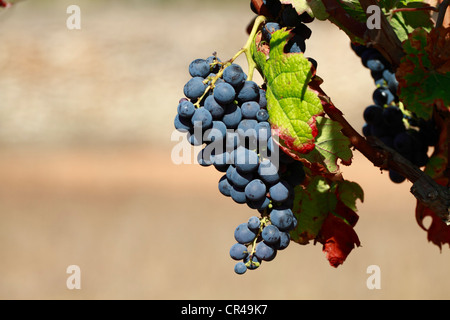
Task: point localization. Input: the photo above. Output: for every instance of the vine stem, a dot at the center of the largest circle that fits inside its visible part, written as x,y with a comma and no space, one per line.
424,188
430,8
442,11
248,53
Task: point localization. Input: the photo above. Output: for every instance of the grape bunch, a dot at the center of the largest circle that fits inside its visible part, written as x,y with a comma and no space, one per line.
227,115
407,134
286,16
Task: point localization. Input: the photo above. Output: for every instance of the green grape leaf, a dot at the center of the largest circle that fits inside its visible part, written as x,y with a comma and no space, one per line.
436,165
348,193
292,105
311,207
423,81
299,5
325,213
331,145
405,22
312,7
354,9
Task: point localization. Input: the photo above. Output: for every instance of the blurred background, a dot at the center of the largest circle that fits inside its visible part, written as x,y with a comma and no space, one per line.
86,118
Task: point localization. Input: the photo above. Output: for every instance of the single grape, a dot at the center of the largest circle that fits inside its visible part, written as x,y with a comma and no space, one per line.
373,114
247,133
262,98
246,125
243,234
268,29
367,130
182,124
246,160
240,179
217,132
232,141
271,234
238,251
250,109
225,186
199,68
259,204
369,54
202,118
238,194
204,158
254,223
280,191
217,111
382,96
396,177
283,243
388,75
262,115
263,131
194,88
221,161
232,116
248,92
234,75
375,65
295,45
268,172
392,116
282,218
265,252
186,109
224,93
240,268
255,190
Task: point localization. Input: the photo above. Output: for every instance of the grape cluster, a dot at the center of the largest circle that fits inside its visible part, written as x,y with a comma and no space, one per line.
226,114
259,239
286,16
406,134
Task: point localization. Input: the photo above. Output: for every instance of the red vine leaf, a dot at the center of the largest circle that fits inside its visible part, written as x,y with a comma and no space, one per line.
438,231
338,239
438,49
424,78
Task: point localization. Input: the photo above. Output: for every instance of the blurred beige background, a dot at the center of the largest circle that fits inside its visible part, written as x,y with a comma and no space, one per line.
86,176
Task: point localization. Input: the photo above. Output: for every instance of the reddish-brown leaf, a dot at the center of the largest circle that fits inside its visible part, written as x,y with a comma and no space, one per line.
438,231
338,239
438,49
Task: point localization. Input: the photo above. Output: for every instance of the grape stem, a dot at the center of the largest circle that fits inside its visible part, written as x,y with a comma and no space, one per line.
263,222
247,49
